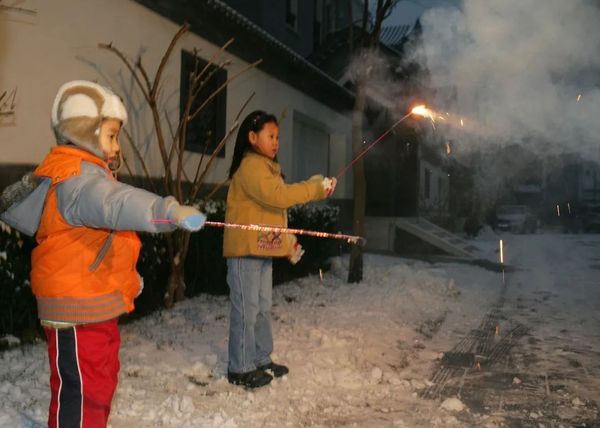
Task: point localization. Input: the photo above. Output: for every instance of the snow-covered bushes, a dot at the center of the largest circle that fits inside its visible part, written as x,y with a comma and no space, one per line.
18,311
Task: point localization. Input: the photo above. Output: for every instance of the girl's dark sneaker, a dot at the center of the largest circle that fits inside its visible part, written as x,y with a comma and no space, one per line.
278,370
254,379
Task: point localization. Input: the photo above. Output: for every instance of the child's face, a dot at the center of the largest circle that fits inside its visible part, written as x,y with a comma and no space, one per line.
266,141
109,139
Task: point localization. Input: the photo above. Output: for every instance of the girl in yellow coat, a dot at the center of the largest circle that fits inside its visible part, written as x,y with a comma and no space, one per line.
258,195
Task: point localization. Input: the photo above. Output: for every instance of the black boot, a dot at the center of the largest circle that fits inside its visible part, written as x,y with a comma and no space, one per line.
254,379
278,370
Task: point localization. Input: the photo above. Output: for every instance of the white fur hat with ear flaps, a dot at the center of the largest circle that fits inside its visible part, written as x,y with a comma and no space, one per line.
78,111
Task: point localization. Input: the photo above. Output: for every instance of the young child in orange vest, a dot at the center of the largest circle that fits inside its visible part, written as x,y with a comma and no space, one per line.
258,195
84,268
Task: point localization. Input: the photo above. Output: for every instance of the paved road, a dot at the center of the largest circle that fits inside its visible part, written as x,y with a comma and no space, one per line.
534,357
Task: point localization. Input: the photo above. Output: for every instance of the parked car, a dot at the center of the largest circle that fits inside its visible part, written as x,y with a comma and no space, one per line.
516,218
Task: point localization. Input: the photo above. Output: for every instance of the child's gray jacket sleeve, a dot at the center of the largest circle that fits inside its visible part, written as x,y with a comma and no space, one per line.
22,203
93,199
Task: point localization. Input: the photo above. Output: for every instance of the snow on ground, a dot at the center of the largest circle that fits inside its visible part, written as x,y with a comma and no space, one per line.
359,354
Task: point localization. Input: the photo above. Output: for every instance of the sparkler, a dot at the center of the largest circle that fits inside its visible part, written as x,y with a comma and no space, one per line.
558,210
578,97
369,147
419,110
256,227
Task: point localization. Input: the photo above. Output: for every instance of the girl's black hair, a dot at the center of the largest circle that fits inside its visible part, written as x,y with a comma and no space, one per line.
253,122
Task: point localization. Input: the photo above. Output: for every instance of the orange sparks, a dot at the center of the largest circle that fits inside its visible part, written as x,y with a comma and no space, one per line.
421,110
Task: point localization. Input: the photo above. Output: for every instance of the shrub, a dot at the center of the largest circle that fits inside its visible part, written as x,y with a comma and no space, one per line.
18,310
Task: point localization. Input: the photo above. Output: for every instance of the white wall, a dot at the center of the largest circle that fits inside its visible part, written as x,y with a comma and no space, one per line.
59,43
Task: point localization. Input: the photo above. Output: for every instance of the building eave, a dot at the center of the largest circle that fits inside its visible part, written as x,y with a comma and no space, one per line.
217,22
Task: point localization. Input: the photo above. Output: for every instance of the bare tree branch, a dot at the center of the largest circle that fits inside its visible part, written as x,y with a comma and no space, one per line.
140,158
174,145
223,86
218,148
132,69
200,180
213,59
214,191
18,9
127,165
139,65
182,30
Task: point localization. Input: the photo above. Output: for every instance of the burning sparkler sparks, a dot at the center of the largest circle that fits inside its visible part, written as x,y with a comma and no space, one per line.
578,97
501,252
558,210
421,110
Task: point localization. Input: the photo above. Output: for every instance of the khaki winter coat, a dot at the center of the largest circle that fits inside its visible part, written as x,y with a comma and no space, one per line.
258,195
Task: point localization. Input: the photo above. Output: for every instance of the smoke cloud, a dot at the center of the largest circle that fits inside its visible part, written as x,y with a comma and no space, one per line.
518,71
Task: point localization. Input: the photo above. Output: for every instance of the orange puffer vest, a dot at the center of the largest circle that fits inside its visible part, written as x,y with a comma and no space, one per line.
73,277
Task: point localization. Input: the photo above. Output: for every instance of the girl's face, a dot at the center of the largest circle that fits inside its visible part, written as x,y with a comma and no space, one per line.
266,141
109,139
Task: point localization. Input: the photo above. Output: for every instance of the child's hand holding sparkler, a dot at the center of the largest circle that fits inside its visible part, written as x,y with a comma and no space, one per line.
186,217
329,185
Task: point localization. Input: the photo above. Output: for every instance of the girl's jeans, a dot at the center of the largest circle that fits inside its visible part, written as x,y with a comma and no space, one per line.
250,282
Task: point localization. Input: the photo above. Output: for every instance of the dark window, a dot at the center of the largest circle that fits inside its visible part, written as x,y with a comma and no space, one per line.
208,128
427,184
318,16
291,13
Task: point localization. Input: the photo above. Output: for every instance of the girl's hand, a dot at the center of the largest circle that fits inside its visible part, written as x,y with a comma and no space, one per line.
329,185
297,251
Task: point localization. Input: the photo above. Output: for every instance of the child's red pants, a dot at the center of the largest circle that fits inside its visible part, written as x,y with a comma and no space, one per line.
84,368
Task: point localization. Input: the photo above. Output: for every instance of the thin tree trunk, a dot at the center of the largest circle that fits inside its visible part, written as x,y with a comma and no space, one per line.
178,243
175,285
355,272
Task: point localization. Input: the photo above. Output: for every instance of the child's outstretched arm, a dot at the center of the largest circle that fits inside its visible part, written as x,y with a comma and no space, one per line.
270,190
92,199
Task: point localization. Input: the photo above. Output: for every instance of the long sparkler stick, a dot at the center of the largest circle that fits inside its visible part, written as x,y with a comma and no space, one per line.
370,146
256,227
